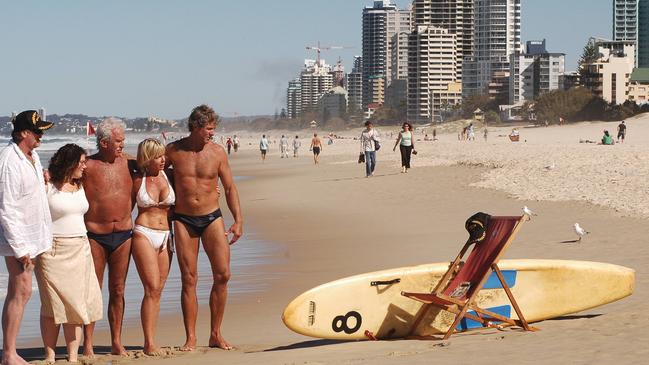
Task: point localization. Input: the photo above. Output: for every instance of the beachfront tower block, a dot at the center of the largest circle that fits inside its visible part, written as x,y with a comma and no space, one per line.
534,71
610,74
380,23
456,16
432,68
497,35
355,86
631,23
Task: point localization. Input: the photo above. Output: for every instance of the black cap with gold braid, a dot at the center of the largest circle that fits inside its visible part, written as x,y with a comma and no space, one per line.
30,120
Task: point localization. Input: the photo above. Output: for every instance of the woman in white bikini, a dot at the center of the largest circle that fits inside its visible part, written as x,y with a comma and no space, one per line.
151,242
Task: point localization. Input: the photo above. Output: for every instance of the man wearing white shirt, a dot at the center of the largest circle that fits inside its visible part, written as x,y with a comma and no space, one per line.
25,221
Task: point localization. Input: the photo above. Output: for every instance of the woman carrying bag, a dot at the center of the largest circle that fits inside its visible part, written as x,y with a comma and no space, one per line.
406,146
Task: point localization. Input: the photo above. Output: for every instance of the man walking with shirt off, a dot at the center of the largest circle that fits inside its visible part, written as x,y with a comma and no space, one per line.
25,222
198,165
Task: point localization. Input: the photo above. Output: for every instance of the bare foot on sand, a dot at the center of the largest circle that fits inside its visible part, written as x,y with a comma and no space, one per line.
154,351
190,345
13,359
219,342
118,349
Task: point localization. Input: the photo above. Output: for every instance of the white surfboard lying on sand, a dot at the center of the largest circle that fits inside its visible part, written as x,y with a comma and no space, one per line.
346,308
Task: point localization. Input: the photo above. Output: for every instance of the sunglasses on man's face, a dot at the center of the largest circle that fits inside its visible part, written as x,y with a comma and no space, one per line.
38,132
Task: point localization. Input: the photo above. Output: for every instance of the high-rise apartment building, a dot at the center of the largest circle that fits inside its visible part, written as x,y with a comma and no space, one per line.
303,93
355,85
432,68
497,35
534,72
631,23
380,23
643,34
294,99
610,74
399,54
456,16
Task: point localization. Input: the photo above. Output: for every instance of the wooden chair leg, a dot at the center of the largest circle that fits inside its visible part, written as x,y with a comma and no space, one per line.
521,318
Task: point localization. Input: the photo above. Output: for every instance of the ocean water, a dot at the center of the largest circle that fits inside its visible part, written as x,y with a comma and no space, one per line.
248,262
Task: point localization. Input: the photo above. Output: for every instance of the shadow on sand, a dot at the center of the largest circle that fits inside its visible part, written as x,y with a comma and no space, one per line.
37,353
307,344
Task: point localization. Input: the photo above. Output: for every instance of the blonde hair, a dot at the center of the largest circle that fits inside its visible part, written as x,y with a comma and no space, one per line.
148,150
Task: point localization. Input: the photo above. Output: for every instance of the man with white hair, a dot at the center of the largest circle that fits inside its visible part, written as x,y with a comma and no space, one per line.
108,184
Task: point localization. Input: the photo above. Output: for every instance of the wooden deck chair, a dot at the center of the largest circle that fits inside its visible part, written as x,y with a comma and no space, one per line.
456,292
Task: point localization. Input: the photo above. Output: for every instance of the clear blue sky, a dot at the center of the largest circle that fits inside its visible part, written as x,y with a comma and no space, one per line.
138,58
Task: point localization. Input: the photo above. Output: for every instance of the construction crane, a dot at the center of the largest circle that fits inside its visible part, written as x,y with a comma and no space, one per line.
319,49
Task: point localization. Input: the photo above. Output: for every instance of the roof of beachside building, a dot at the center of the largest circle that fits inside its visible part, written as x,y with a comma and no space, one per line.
640,75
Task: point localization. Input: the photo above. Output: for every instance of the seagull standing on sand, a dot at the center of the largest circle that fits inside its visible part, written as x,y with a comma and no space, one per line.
550,167
580,231
528,211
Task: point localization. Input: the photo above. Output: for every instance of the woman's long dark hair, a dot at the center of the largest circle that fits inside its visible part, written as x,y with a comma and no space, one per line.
63,163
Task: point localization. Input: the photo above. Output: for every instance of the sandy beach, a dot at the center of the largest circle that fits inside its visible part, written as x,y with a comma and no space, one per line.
327,222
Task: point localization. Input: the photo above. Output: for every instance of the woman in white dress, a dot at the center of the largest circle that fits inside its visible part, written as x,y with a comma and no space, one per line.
68,287
151,235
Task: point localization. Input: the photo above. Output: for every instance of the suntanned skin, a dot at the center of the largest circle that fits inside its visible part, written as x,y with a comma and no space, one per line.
20,270
152,265
108,184
316,142
198,164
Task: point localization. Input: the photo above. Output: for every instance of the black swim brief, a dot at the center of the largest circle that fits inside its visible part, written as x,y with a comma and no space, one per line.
111,241
197,223
316,150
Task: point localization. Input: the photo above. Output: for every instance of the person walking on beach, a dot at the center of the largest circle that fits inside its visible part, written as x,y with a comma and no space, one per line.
470,132
283,146
152,253
485,134
263,147
621,132
316,147
406,146
296,145
235,143
228,143
25,222
108,184
198,165
369,141
71,303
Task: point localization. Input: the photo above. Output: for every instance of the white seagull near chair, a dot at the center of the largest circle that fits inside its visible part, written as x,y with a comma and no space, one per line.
580,231
528,211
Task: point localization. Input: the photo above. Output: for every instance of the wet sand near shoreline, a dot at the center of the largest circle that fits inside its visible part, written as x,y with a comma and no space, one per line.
329,222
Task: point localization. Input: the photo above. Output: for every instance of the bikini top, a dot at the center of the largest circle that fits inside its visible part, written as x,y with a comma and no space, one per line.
144,199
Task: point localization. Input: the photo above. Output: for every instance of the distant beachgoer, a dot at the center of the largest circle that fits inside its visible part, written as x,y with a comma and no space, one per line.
369,138
296,146
263,147
561,121
198,165
152,253
108,184
434,134
470,132
316,147
607,139
621,132
25,222
426,138
283,146
485,134
65,302
406,146
228,143
235,143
